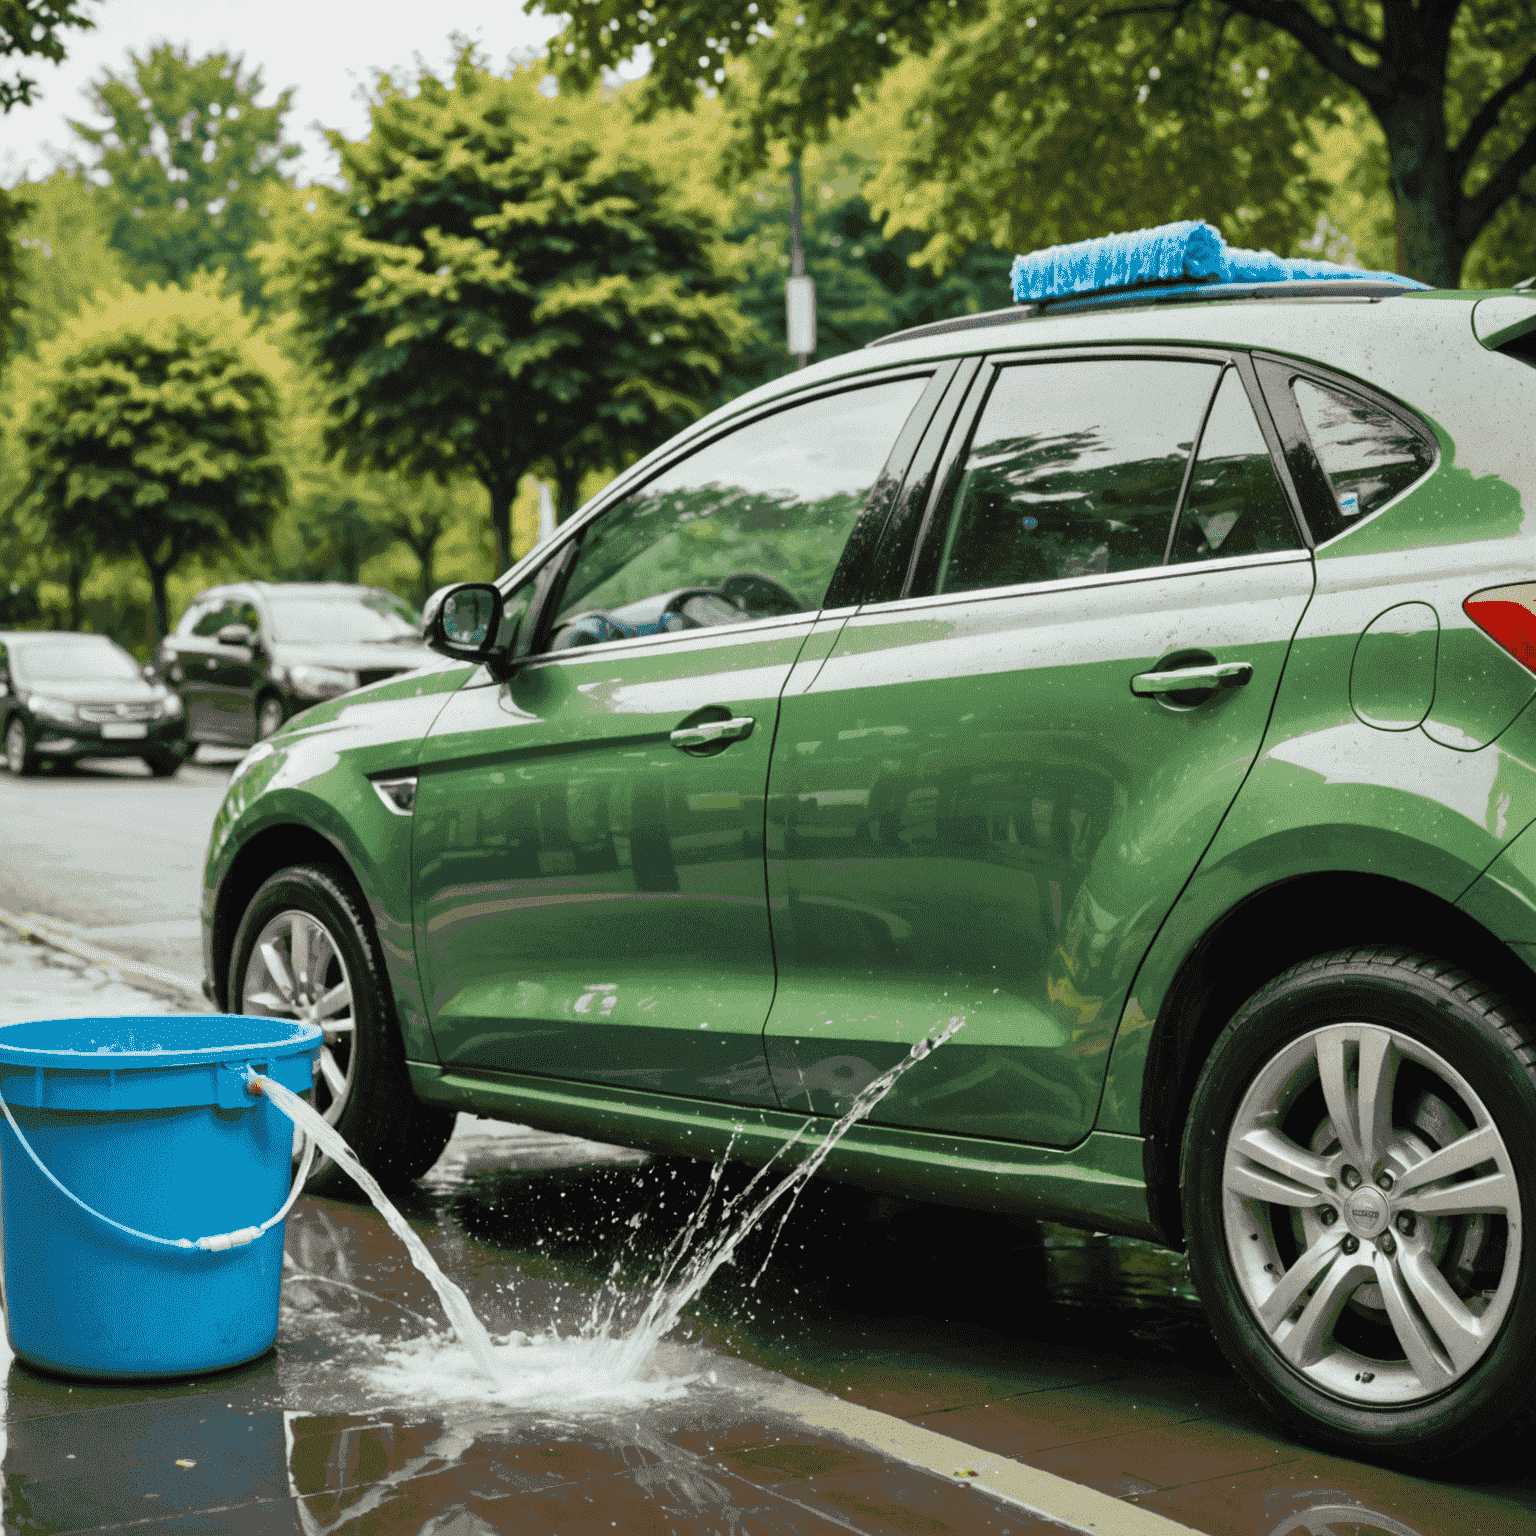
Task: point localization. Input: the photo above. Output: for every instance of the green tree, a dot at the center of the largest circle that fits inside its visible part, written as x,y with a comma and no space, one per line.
149,428
193,164
1053,119
28,29
504,283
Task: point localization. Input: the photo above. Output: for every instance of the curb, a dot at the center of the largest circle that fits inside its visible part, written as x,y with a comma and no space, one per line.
36,928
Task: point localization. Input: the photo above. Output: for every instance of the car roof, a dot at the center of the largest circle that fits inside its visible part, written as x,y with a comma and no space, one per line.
11,636
271,588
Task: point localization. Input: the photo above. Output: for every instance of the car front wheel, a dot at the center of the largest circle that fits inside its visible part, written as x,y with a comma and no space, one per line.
1359,1155
18,748
305,949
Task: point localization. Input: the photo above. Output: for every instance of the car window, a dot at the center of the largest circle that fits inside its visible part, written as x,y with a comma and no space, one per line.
1235,505
314,618
1368,454
1074,469
96,659
750,526
214,618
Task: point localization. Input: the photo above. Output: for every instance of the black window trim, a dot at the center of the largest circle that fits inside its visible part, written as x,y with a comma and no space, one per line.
963,425
1321,517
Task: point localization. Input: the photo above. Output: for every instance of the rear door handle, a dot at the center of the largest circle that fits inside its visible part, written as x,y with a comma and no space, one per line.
709,732
1223,674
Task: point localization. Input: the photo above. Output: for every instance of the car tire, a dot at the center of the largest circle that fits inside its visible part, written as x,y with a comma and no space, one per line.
327,968
1375,1309
164,765
270,715
19,757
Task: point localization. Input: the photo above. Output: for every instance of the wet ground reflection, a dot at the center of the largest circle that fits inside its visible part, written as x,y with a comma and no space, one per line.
1087,1357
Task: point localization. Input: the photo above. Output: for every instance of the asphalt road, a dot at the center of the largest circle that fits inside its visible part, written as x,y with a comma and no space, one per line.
114,853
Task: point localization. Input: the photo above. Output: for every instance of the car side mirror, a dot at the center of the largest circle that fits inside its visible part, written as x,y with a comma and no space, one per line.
464,621
235,634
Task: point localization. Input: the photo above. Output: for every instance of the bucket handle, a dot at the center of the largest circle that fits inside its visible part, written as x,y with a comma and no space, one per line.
215,1244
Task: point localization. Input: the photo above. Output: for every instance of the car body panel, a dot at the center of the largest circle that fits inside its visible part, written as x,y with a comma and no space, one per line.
1099,1181
971,813
315,774
590,899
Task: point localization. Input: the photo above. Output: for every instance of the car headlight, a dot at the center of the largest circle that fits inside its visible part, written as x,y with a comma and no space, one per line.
53,709
312,682
170,705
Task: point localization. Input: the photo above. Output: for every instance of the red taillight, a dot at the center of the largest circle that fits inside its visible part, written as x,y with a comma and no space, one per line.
1508,615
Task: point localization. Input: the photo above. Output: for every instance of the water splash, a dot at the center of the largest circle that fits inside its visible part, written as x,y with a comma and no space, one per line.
598,1366
461,1315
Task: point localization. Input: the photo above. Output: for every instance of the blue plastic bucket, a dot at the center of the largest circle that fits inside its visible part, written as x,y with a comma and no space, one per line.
138,1137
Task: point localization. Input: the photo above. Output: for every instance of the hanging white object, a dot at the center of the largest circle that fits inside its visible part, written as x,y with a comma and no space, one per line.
546,512
800,315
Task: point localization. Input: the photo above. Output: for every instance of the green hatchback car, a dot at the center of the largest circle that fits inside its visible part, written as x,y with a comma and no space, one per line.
1145,679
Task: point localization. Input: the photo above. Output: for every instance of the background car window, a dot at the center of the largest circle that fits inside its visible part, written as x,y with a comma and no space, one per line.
213,618
750,526
313,618
96,659
1366,452
1235,505
1074,469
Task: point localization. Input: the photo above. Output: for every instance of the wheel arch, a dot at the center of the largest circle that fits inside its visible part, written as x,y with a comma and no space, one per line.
1255,941
272,848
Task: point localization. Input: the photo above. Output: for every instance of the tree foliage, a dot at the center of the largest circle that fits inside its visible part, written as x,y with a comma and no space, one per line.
1062,118
504,283
149,428
193,164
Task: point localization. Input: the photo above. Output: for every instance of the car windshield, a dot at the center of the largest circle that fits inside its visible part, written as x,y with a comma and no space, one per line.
320,617
96,660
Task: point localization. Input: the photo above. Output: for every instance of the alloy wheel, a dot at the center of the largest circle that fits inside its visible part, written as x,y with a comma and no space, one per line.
16,748
296,971
1372,1215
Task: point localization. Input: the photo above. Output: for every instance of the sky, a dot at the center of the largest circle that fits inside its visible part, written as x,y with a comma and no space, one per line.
326,49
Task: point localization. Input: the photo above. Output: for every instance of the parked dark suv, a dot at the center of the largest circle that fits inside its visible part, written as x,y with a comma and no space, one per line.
245,657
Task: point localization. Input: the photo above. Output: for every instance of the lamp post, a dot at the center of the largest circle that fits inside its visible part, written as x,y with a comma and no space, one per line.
799,289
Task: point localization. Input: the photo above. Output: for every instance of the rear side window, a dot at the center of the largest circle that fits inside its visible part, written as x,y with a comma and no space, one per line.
1074,469
1368,454
1235,505
749,526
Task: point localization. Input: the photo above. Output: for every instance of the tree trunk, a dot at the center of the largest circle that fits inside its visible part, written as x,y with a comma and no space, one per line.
1429,244
567,491
424,548
502,498
159,608
77,568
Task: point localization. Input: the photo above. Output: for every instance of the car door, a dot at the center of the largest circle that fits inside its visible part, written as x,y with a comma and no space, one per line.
997,784
232,678
194,665
588,839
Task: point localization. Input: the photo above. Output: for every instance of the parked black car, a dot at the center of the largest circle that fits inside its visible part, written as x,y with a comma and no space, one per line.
248,655
65,696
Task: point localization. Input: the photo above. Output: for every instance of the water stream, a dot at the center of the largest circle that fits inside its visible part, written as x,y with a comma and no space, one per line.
601,1359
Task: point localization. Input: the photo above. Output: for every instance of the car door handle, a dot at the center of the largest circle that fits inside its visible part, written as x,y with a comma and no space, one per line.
708,732
1223,674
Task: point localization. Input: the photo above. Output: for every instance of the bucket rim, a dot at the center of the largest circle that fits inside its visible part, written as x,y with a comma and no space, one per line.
283,1037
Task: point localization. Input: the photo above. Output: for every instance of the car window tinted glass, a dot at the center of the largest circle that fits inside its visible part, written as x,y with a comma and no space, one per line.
1074,469
73,661
213,618
1366,452
1235,505
750,526
320,617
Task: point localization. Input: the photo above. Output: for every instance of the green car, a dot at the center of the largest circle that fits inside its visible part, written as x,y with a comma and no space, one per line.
1145,679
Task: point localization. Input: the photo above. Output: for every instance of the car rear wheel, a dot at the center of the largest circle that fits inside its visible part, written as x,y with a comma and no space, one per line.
1359,1154
19,757
306,950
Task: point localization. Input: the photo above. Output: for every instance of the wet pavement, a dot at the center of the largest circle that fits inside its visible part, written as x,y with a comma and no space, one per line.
886,1354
